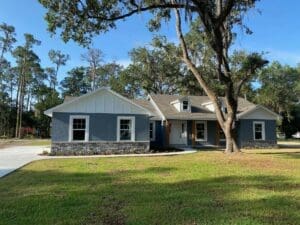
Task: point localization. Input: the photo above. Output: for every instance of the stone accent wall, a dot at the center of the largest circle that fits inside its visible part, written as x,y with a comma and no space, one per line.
259,144
98,148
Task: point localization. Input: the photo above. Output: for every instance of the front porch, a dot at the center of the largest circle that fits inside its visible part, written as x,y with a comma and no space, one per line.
191,133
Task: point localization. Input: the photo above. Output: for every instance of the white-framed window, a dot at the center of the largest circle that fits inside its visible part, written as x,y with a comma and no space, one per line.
152,130
222,136
259,130
201,131
79,128
185,105
126,128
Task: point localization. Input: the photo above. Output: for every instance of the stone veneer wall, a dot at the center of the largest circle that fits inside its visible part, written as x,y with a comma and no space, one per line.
98,148
259,144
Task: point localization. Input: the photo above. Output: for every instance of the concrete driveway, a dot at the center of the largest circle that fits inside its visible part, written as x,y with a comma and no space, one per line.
12,158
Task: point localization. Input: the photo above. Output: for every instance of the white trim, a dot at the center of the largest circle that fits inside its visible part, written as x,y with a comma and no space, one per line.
252,109
153,130
221,139
156,108
205,130
178,100
207,103
263,131
87,127
132,118
51,110
188,106
175,101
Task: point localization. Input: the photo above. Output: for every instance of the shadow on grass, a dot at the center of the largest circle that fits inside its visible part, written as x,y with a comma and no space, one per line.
289,145
144,197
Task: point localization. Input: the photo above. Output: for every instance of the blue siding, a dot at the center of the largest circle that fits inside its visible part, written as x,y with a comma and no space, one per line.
245,131
103,127
211,132
159,135
60,127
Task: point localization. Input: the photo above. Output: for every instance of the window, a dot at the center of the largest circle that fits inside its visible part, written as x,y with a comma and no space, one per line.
259,130
185,105
183,131
201,132
79,126
221,134
126,129
152,131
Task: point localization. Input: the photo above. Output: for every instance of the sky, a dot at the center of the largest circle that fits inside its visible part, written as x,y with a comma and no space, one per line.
275,25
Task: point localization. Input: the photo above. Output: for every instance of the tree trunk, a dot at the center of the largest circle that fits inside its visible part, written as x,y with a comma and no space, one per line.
231,139
226,120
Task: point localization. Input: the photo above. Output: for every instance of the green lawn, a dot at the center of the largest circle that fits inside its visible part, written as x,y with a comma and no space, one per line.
256,187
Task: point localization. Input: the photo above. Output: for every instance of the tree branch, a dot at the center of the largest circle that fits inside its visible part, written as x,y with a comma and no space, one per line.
142,9
194,69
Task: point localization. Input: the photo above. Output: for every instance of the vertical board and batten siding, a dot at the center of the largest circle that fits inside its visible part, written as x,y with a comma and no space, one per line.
102,126
159,135
102,102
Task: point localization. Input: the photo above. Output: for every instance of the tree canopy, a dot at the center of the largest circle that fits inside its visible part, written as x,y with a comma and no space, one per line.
80,20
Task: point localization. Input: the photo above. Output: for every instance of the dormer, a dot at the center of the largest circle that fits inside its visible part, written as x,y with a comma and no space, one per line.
210,106
182,104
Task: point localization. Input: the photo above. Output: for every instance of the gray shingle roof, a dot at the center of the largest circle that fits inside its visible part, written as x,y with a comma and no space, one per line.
199,112
147,105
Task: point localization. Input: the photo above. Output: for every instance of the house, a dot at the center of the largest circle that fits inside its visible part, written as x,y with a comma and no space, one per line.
104,122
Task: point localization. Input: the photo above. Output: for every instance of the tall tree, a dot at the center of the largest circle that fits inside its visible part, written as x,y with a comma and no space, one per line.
59,59
7,39
28,65
80,20
93,57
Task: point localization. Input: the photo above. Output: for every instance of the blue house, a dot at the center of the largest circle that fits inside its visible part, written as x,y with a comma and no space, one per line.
104,122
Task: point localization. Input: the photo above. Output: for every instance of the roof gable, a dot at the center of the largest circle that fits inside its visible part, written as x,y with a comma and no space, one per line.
259,112
102,100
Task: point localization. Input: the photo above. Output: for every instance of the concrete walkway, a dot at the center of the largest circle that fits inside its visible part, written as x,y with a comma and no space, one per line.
13,158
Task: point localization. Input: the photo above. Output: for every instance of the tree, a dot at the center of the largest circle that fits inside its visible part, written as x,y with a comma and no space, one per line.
28,65
75,84
278,92
80,20
156,68
6,40
59,59
45,100
94,57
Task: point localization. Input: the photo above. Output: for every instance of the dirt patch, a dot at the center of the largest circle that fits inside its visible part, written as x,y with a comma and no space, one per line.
266,161
108,212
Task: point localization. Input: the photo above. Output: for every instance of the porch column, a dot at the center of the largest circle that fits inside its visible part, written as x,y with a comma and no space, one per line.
193,133
167,132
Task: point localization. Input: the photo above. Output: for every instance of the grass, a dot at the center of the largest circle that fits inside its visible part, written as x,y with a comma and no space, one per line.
21,142
256,187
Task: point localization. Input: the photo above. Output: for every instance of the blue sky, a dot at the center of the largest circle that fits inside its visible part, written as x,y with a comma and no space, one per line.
275,31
